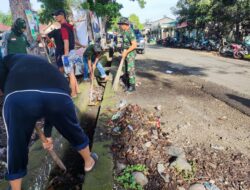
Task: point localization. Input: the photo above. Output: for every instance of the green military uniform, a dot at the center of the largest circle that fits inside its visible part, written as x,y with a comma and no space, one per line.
128,37
17,44
15,41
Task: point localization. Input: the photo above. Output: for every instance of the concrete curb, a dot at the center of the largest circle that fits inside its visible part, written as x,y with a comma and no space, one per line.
102,176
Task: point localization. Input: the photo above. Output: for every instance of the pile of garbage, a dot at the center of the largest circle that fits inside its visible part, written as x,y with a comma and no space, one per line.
138,140
97,94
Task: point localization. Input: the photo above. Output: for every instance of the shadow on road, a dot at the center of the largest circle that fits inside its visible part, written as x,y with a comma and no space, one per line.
166,66
243,101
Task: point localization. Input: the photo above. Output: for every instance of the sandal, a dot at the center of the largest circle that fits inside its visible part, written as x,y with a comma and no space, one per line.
95,157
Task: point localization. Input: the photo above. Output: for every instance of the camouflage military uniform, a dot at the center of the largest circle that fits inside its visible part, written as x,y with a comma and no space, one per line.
128,37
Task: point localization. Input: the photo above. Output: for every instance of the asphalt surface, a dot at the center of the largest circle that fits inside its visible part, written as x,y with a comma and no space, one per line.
230,73
226,79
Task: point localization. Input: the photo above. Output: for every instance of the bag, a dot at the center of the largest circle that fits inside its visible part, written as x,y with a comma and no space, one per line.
73,60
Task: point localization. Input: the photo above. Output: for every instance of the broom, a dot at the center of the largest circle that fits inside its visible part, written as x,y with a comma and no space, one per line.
118,75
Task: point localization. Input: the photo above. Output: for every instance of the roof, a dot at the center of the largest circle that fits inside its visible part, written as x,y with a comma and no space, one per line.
4,28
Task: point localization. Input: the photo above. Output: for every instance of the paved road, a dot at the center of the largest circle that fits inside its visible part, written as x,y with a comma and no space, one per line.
230,73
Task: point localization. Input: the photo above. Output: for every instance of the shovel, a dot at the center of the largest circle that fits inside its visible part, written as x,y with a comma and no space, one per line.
118,75
91,92
52,153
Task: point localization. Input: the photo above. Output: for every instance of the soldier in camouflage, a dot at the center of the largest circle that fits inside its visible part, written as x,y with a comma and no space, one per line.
129,46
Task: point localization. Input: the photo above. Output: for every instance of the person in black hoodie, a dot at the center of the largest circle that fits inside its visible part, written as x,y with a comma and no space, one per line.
34,89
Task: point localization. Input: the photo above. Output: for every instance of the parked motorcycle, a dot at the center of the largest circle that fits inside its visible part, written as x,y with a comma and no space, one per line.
196,45
244,52
232,50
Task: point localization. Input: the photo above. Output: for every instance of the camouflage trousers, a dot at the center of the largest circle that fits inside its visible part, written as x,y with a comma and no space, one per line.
130,68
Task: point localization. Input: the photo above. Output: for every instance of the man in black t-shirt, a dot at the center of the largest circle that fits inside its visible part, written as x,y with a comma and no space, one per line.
34,89
56,35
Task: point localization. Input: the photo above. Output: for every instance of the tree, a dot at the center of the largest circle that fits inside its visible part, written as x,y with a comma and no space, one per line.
142,3
6,18
49,6
223,15
134,19
18,8
107,9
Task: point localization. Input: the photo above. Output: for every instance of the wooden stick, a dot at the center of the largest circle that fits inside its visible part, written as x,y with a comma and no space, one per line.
91,91
118,75
44,46
53,154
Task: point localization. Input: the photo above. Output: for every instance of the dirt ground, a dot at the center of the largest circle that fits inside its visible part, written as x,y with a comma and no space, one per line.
211,132
189,114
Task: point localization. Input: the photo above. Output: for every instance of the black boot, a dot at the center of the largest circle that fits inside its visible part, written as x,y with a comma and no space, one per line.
131,88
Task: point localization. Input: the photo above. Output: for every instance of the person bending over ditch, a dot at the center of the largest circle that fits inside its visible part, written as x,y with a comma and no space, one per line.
34,89
91,59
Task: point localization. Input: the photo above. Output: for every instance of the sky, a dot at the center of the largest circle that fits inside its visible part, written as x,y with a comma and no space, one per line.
154,9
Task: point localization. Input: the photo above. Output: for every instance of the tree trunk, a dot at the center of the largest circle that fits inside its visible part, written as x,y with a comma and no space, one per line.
18,8
237,33
90,30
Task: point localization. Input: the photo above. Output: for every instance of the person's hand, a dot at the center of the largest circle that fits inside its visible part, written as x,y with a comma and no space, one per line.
49,144
66,61
39,37
124,54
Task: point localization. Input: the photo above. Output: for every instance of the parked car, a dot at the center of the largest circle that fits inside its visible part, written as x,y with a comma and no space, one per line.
140,42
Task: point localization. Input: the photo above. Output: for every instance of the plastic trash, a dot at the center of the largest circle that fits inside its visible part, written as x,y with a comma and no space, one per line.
116,130
122,104
130,128
210,186
116,116
169,71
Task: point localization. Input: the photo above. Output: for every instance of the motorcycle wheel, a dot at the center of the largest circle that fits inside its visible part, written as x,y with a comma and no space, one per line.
222,51
237,55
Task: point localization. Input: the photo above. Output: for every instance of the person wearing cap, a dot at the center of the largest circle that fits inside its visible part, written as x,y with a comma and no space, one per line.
15,41
129,53
35,89
91,58
68,44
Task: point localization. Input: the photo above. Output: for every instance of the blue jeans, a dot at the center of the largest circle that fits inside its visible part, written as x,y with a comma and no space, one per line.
86,68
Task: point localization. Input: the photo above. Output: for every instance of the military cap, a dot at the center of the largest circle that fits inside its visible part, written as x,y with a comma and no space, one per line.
123,20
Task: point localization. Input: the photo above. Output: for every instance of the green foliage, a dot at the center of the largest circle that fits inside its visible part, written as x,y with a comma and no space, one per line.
188,175
127,180
142,3
6,19
103,8
49,6
107,9
114,26
134,19
224,14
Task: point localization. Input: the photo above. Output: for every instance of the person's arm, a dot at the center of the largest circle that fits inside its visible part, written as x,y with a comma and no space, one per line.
65,37
47,132
5,39
66,47
131,48
95,63
90,67
3,75
78,44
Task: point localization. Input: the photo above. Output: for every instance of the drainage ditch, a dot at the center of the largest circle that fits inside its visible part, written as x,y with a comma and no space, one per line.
55,179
